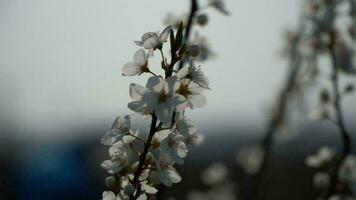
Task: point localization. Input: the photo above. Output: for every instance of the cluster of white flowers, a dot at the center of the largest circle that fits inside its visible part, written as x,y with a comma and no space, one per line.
220,187
322,157
324,25
325,36
138,164
324,161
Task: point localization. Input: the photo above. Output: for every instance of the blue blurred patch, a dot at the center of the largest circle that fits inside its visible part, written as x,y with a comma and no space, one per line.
55,172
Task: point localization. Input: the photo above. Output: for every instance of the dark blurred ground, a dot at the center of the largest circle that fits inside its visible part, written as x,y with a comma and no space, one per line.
71,170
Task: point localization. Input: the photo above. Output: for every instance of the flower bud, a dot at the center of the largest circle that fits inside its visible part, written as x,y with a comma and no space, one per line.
129,189
349,88
202,19
193,50
111,182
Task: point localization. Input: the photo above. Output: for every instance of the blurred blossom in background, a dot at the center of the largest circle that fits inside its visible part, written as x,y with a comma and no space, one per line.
61,88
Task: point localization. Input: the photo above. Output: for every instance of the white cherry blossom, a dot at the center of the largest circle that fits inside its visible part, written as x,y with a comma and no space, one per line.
110,166
118,152
165,172
186,127
324,155
174,145
121,155
139,164
138,66
148,189
160,97
194,74
192,95
152,40
119,128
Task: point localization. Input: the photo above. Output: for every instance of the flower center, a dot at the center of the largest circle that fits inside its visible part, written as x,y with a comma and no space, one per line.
189,75
144,68
121,129
118,156
184,90
162,96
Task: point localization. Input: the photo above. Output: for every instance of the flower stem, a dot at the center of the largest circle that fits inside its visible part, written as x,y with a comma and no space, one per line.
162,55
152,73
137,173
137,138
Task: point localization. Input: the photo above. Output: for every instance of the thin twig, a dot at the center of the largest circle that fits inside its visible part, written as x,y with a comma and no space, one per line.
152,73
137,138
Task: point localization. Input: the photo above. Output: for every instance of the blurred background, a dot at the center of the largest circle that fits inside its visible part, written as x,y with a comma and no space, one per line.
61,88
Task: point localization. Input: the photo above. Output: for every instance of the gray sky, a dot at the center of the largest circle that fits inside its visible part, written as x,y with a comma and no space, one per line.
60,61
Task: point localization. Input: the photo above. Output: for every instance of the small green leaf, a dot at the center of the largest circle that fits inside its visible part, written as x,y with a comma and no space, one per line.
173,42
179,35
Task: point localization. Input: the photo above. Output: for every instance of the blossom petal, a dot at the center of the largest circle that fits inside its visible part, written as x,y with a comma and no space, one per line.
197,101
109,195
164,113
109,138
172,85
115,148
155,83
164,176
180,102
131,69
140,57
151,101
195,88
174,176
149,189
152,43
182,150
150,53
148,35
137,106
142,197
165,33
136,91
110,166
182,73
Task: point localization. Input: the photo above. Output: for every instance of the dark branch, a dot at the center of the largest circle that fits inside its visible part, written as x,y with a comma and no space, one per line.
194,8
346,139
138,172
254,182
